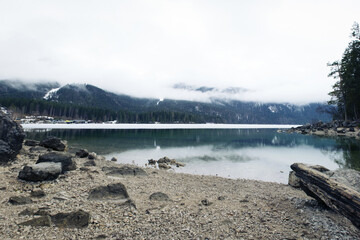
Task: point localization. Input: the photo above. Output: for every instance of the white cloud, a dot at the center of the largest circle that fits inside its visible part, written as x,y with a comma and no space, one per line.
277,49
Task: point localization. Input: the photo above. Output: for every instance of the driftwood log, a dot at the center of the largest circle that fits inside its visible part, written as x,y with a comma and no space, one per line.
335,195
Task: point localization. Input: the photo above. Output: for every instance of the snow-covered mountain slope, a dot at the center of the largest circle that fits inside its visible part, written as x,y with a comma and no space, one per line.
224,110
51,94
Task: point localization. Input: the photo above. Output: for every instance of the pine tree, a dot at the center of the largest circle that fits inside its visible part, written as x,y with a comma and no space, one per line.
346,91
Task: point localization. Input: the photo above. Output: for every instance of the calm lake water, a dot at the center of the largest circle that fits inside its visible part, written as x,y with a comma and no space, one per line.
262,154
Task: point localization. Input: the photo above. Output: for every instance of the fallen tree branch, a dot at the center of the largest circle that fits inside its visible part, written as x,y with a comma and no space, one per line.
335,195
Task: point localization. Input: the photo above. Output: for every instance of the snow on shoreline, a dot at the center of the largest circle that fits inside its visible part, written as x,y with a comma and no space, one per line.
155,126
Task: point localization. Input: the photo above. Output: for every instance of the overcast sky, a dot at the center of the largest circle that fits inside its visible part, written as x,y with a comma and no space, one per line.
277,50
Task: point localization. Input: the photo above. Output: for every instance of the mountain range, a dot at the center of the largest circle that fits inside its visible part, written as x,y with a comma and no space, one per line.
86,97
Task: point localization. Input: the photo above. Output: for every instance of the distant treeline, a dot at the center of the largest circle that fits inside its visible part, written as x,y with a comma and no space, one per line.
22,106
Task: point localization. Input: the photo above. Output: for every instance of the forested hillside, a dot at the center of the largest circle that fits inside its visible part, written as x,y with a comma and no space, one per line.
88,102
22,107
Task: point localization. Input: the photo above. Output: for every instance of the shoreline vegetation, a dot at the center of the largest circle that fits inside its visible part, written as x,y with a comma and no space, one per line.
99,199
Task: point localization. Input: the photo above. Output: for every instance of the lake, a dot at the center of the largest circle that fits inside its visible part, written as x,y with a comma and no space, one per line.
260,152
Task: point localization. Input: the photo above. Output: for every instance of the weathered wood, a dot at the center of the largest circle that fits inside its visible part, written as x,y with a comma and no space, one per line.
335,195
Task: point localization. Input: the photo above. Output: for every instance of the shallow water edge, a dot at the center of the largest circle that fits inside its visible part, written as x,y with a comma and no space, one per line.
157,126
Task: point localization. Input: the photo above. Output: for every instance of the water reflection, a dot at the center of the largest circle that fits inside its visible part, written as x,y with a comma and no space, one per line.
350,149
105,141
262,154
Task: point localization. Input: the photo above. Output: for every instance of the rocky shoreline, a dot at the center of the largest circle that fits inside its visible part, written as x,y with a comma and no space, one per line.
331,129
99,199
50,191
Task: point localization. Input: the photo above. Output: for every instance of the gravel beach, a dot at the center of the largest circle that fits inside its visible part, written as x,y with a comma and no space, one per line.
160,204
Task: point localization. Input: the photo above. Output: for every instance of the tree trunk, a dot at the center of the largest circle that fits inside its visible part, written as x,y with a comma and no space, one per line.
355,113
335,195
345,109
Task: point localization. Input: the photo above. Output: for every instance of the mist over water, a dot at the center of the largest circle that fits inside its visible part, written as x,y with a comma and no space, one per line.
261,154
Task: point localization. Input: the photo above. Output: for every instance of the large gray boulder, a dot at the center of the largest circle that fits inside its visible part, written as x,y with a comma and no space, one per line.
54,143
6,154
65,159
12,136
45,171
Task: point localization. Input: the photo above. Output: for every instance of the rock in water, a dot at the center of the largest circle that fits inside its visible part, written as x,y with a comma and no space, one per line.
152,162
12,136
163,166
164,160
65,159
78,219
54,143
180,164
45,171
109,192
